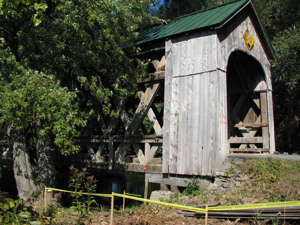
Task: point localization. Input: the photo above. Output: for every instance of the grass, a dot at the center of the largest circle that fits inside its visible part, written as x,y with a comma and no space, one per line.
268,180
273,180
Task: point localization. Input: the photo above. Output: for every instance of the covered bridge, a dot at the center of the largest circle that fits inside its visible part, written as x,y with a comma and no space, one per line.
217,87
211,73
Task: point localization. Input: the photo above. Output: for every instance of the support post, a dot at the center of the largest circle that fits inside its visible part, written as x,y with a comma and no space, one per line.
206,214
112,210
264,118
45,200
124,200
146,187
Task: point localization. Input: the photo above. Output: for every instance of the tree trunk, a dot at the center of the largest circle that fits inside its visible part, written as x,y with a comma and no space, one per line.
23,171
46,163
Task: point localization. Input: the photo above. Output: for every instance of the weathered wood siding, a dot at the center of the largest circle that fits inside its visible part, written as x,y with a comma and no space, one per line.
193,110
195,106
231,39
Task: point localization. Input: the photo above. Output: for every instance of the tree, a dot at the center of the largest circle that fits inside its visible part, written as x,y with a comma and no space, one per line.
286,79
35,109
171,9
67,66
281,20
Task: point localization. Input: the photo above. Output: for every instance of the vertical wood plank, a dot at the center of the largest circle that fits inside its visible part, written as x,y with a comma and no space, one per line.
264,118
167,106
146,187
194,124
270,110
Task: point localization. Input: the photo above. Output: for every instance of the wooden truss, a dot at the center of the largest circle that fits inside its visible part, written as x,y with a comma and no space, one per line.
253,132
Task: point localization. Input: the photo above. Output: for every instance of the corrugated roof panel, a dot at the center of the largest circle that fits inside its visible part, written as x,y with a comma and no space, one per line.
193,21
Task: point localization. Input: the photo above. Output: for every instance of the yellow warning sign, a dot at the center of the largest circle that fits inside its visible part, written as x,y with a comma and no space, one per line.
249,40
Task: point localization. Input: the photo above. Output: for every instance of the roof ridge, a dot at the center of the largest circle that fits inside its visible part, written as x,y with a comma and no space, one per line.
205,10
192,21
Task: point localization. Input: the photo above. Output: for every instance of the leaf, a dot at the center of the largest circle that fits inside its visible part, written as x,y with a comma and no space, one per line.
35,223
24,214
40,6
36,20
11,203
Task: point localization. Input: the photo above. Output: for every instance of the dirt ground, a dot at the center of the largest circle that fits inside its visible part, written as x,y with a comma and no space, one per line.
157,215
267,181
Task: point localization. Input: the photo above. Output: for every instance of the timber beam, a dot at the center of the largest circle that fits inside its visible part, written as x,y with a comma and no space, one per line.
250,125
152,78
122,167
245,140
248,150
173,181
136,167
128,140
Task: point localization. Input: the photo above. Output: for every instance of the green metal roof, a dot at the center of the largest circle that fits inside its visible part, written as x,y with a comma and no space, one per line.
193,21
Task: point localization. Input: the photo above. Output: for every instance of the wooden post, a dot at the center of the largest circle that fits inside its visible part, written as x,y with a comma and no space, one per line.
45,199
264,119
206,215
146,187
112,210
124,200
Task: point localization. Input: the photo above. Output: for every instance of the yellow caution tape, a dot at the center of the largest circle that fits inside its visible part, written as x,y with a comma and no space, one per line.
81,193
188,208
182,207
255,206
136,195
216,208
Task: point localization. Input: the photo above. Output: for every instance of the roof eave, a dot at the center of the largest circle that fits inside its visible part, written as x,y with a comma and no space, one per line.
264,33
223,23
270,50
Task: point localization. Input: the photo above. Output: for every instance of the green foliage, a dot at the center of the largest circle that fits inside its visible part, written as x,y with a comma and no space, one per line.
15,212
148,125
286,76
193,188
86,44
276,179
65,66
36,103
230,171
80,181
265,171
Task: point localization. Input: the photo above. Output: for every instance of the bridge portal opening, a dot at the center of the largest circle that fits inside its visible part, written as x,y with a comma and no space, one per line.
247,104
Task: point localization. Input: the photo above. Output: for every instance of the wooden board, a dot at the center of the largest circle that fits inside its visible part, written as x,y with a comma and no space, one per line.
264,118
247,150
181,182
143,108
152,117
246,140
191,110
136,167
152,77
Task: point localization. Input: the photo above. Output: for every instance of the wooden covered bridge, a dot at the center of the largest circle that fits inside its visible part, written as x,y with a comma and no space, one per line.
211,73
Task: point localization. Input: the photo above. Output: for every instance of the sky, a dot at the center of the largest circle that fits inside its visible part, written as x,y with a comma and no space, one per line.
161,2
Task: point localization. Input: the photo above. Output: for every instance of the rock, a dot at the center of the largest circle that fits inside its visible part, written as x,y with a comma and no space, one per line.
160,195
